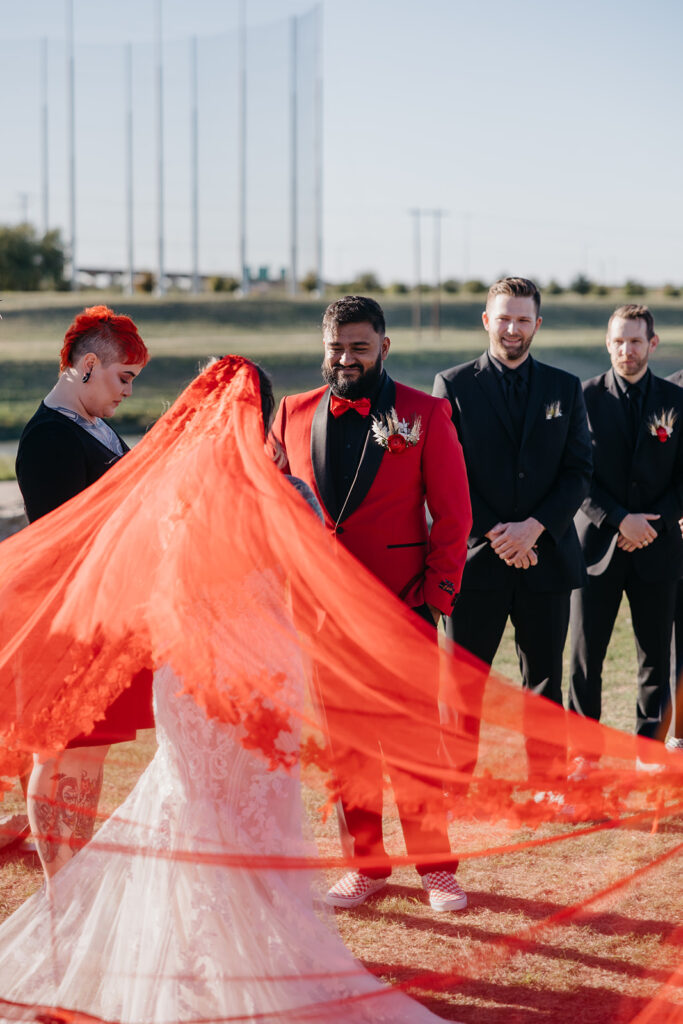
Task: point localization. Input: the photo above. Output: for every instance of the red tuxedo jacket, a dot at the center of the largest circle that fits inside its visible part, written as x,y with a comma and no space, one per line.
383,521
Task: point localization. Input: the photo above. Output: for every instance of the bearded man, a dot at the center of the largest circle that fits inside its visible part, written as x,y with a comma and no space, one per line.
628,524
374,451
522,425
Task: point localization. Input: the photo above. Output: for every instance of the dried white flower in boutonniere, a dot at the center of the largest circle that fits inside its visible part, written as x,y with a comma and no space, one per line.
553,411
395,434
662,426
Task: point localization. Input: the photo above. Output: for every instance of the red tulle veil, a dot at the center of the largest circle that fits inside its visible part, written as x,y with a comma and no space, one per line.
144,569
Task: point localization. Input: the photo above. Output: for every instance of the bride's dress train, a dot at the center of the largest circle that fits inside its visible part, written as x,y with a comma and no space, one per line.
147,925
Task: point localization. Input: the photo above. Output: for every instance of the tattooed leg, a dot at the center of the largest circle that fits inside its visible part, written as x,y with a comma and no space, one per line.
62,799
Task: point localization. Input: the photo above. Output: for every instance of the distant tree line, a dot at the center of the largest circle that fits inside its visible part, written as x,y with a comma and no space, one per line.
29,262
369,282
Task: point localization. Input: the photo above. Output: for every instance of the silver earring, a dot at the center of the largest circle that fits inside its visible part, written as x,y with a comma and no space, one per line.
86,377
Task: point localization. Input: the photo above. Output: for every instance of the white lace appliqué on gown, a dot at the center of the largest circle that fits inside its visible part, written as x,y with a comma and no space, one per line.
170,933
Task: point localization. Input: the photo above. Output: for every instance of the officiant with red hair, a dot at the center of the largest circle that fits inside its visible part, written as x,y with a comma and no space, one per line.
374,452
65,447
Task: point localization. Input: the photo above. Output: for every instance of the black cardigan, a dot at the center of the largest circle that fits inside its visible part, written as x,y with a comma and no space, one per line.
57,459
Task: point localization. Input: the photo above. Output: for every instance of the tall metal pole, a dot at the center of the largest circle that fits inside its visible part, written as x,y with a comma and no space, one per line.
318,100
417,246
294,146
242,145
45,163
130,283
161,284
194,160
71,135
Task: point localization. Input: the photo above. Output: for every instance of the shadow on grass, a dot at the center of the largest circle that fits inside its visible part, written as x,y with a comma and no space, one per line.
484,1001
460,923
463,998
523,1004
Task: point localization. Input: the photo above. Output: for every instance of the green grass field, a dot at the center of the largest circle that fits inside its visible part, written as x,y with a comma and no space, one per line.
284,336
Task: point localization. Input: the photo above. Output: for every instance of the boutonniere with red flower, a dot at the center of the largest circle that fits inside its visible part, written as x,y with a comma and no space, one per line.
662,426
394,434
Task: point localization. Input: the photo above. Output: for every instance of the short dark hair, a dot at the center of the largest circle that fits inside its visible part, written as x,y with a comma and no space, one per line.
521,287
634,311
354,309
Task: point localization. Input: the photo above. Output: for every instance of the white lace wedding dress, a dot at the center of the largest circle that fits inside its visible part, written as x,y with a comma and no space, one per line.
172,934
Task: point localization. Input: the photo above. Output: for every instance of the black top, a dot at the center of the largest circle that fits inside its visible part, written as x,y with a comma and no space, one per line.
514,380
640,388
346,438
523,370
632,399
544,474
645,477
58,459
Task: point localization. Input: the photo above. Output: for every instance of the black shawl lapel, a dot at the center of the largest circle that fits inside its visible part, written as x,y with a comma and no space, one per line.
372,456
319,458
537,394
486,378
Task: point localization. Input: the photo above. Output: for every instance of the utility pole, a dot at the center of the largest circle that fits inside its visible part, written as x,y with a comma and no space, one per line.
242,145
417,255
466,223
71,135
23,206
319,150
294,157
194,162
161,288
437,215
45,168
130,282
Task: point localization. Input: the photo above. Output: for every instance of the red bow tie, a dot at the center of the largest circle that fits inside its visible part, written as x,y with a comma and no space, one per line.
338,406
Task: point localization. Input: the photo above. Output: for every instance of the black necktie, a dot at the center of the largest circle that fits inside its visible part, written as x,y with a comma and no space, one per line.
633,402
516,396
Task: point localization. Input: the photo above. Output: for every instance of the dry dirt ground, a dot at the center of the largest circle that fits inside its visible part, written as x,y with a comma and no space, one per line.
515,954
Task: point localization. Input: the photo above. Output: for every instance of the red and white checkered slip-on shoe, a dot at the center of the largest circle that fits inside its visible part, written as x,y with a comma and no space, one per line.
353,889
443,891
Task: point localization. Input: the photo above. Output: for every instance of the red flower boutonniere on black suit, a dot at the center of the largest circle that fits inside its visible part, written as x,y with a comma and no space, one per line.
394,434
662,426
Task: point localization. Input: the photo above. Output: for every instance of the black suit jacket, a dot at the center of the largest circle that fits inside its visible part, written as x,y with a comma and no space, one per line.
647,478
57,459
546,475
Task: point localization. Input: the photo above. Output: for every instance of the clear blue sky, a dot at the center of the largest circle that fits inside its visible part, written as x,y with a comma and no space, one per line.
549,132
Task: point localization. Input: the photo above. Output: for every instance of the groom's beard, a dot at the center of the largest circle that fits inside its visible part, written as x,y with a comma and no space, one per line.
361,387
